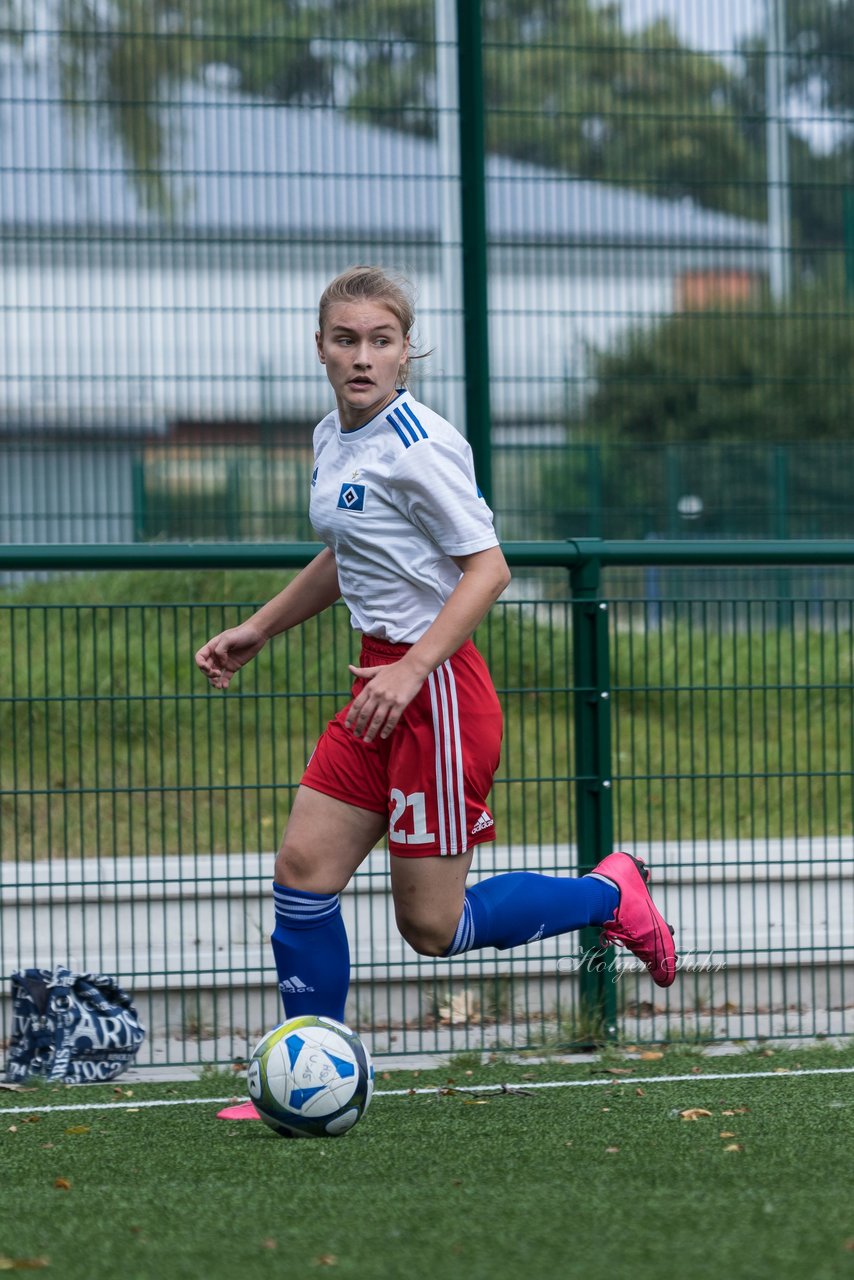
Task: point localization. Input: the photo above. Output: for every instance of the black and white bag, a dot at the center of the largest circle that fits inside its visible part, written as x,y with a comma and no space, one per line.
73,1028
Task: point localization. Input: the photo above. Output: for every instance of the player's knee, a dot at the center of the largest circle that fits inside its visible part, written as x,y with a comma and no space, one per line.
426,937
301,868
290,868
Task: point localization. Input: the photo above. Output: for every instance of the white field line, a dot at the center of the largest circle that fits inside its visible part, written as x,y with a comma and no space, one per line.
497,1089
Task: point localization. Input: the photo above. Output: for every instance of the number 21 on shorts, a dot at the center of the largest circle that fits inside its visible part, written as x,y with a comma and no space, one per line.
415,802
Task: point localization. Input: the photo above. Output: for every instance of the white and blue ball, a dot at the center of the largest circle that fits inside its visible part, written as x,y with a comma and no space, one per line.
311,1077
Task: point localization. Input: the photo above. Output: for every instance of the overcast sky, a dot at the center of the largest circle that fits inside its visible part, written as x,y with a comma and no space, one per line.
707,24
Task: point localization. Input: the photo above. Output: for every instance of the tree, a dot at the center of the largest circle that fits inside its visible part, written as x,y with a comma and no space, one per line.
131,54
819,74
821,38
568,86
637,108
774,375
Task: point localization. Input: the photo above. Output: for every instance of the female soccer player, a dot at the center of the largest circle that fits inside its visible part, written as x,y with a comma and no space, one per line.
410,546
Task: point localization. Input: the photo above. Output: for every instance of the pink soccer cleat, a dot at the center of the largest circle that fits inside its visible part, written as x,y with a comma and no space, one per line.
243,1111
638,925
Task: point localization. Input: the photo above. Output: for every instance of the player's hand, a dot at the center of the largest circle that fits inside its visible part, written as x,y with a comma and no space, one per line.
228,652
387,693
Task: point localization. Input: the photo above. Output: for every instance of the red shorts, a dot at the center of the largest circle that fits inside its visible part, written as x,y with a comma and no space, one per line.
434,771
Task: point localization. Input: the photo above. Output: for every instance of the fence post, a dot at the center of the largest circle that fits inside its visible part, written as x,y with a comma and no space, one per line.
138,490
474,233
593,799
781,529
848,234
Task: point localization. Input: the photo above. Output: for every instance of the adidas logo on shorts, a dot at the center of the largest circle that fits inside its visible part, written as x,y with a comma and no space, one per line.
482,823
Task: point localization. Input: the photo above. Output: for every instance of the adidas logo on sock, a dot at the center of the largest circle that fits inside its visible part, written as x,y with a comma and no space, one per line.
293,986
482,823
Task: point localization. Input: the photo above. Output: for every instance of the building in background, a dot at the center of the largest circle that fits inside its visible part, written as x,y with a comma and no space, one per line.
128,324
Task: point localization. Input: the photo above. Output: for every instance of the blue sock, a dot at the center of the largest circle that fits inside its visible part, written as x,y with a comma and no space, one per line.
311,952
521,906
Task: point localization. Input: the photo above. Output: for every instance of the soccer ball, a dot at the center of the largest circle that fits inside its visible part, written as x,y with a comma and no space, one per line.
311,1077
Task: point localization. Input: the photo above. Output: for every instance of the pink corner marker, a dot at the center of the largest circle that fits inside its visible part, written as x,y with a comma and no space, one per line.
244,1111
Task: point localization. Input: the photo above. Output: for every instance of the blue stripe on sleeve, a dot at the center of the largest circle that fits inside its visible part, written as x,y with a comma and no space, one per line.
391,420
406,425
406,409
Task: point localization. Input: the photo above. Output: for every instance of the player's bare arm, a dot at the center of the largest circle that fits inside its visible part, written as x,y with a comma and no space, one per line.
314,589
391,688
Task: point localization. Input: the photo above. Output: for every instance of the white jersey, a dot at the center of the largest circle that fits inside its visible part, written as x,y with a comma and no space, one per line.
394,500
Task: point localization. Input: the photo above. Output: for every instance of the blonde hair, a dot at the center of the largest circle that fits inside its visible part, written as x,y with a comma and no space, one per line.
374,284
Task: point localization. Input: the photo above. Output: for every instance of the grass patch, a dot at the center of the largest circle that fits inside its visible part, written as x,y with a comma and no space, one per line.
550,1181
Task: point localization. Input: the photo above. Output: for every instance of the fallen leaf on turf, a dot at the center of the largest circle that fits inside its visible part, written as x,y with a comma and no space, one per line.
326,1260
618,1071
13,1128
23,1264
651,1055
475,1102
611,1151
725,1133
16,1088
269,1243
849,1245
77,1128
639,1093
694,1113
62,1184
733,1146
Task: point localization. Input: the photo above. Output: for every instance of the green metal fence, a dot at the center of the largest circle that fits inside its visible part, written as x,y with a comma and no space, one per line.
620,226
139,811
116,491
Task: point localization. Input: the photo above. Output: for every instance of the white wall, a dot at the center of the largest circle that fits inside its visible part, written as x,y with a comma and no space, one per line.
759,927
156,343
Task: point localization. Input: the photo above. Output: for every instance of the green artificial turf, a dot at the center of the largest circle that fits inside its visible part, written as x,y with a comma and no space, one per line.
543,1182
